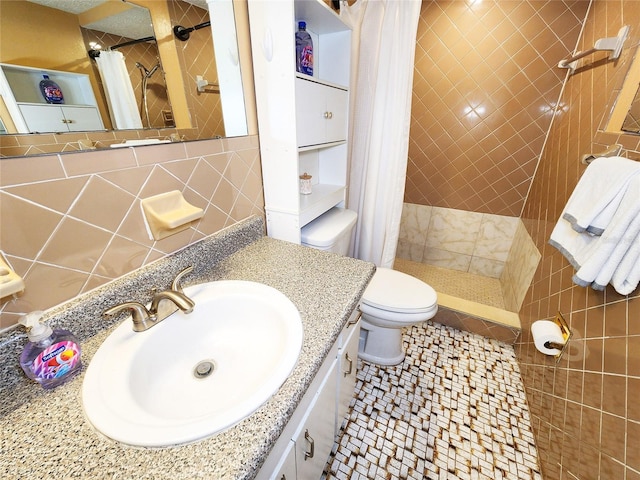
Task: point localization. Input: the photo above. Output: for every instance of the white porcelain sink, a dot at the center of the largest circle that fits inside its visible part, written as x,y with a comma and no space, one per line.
192,376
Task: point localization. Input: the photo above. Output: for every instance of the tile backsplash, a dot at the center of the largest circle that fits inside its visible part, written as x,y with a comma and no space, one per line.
72,222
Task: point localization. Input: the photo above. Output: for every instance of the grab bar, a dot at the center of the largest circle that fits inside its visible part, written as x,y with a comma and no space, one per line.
612,151
612,44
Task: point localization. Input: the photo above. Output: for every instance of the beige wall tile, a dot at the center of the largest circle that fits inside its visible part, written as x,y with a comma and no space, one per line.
75,245
495,237
104,235
25,226
453,230
446,259
102,204
486,267
55,194
86,163
17,171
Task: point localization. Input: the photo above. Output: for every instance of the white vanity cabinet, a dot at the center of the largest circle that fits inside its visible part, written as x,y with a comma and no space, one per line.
60,118
303,448
20,89
316,433
347,368
302,119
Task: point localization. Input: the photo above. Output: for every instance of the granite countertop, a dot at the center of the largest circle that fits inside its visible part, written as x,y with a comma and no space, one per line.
44,434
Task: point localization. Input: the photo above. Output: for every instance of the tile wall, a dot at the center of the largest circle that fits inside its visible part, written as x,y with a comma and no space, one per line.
466,241
585,410
521,265
485,86
72,222
197,57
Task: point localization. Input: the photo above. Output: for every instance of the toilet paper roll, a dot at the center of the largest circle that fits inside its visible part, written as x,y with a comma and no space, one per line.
544,331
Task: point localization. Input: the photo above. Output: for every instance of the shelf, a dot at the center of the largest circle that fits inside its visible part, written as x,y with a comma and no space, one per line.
309,78
321,146
322,199
319,17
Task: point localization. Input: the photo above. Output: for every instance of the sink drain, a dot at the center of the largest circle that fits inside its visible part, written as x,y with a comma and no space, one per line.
204,369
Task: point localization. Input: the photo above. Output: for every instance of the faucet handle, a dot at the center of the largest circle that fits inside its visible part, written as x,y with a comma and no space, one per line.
175,285
142,318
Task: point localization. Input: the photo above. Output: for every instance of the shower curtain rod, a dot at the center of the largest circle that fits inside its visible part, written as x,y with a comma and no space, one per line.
96,53
182,33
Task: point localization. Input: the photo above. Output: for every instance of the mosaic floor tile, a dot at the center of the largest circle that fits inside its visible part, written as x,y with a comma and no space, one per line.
454,409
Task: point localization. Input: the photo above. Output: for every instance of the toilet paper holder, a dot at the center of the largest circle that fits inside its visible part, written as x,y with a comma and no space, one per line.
566,335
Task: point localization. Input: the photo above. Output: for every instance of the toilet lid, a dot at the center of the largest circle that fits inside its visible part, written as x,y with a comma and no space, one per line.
396,291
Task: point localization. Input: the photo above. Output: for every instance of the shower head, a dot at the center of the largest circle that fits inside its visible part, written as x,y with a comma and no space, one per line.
147,72
143,68
153,70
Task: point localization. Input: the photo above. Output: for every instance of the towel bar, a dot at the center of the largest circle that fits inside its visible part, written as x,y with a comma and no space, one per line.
202,84
612,44
612,151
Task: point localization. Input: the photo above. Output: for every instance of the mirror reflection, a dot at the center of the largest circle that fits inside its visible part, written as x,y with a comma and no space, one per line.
174,82
631,122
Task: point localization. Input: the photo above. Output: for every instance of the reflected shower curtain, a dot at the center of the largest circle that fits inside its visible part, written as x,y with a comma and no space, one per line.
119,91
383,51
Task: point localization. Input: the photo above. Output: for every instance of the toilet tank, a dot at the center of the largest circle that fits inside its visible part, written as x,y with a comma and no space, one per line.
331,231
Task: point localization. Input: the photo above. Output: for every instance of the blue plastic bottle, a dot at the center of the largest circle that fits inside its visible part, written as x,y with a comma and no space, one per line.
51,357
304,50
51,90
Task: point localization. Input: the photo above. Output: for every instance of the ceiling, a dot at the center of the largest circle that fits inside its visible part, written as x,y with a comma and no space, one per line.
134,23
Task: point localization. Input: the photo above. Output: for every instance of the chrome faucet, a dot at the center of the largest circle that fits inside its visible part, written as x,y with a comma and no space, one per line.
144,318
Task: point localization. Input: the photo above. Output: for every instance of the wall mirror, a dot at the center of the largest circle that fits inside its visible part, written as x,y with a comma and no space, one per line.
631,123
185,90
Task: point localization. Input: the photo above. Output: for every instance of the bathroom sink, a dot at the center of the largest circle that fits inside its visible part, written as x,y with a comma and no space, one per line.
192,376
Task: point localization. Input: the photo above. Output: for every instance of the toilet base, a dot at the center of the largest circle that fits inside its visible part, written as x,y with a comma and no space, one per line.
380,345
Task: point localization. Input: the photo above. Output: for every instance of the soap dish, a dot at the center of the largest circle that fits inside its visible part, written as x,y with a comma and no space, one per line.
10,281
168,213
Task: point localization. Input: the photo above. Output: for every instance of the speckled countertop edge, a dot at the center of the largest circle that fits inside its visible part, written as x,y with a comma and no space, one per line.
45,434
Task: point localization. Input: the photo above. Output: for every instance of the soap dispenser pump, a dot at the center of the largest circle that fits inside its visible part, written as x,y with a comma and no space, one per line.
51,357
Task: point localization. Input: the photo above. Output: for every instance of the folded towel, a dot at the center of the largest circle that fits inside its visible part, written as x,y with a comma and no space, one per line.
599,192
573,245
627,276
605,254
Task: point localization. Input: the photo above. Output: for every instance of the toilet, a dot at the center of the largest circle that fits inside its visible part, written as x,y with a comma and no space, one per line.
391,301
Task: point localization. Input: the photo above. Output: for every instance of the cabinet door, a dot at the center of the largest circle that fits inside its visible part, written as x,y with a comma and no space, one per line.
348,366
314,439
286,469
310,112
336,118
44,118
80,119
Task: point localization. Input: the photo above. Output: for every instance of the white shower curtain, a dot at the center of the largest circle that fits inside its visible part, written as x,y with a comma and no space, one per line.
117,87
383,51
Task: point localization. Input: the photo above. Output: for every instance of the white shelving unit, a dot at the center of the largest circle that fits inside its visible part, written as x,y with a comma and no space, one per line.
302,119
20,89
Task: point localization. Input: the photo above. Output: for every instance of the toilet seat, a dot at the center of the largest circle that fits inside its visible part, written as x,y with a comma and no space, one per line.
397,292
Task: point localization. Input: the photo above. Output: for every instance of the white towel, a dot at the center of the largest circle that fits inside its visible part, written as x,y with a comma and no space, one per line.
604,255
627,276
597,195
573,245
